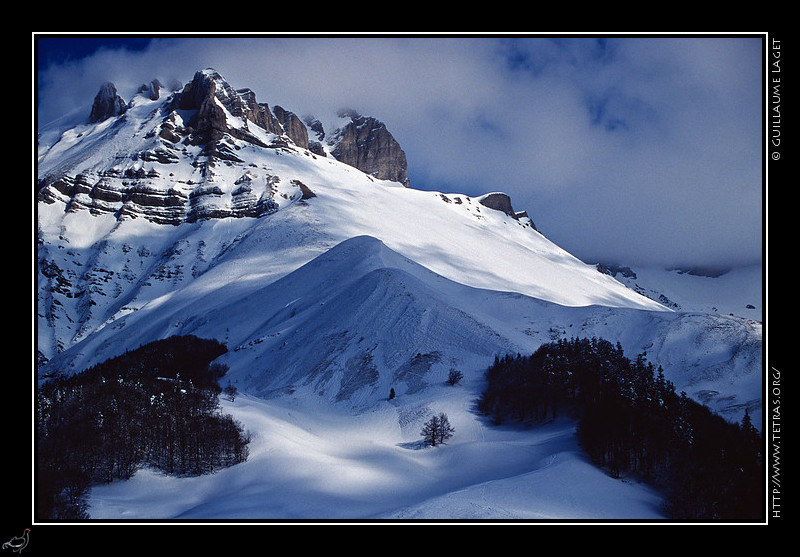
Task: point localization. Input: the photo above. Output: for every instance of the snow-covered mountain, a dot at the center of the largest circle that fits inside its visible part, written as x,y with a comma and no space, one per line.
129,214
330,280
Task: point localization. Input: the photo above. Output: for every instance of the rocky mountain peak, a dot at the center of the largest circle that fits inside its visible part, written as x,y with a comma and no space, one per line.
202,87
166,159
366,144
210,96
209,123
208,87
363,142
107,103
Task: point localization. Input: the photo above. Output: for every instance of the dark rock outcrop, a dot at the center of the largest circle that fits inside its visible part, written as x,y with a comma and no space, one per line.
363,143
208,124
293,126
315,145
366,144
151,90
106,104
499,202
211,96
255,112
613,270
306,192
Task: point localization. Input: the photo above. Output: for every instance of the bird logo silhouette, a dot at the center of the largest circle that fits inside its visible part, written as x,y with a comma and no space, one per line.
18,543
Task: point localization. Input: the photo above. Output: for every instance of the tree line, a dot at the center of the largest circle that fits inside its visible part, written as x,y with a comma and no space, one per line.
631,420
154,406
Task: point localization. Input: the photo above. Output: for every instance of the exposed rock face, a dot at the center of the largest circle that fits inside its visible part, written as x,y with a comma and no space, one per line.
106,104
498,202
366,144
255,112
147,187
293,126
208,123
502,202
208,93
363,143
307,193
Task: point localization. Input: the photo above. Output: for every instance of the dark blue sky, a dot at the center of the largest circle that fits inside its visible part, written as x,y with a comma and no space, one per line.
62,49
622,149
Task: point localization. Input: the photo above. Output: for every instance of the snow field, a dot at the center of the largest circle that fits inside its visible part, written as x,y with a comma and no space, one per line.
312,465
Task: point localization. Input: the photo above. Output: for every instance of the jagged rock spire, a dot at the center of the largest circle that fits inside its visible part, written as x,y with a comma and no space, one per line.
107,103
208,122
151,90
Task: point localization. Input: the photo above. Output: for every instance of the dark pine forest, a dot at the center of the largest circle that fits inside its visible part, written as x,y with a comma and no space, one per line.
632,422
154,406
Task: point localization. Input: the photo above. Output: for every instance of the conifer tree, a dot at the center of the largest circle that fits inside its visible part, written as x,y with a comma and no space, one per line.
430,431
454,377
437,430
446,430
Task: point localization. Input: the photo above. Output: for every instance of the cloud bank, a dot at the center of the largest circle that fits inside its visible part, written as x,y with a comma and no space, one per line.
632,150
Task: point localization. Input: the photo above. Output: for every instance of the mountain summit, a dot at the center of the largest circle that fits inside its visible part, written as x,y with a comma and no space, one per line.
125,159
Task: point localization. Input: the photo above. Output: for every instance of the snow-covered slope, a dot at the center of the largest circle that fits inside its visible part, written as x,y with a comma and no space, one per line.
360,319
308,463
330,287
